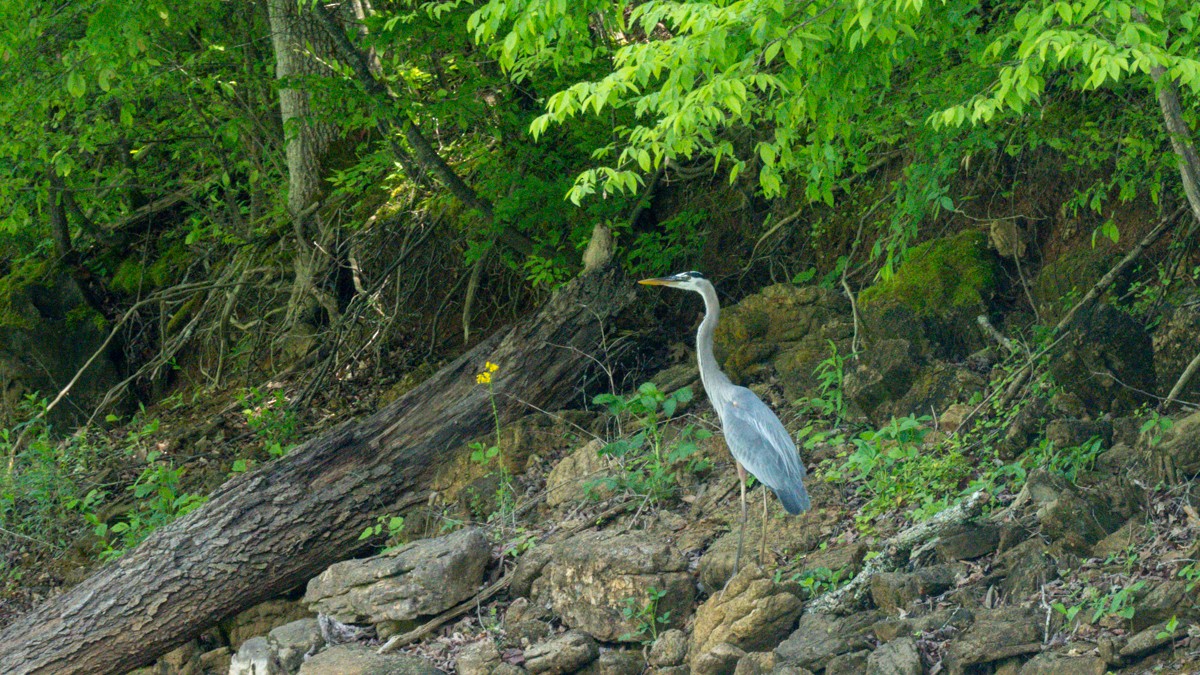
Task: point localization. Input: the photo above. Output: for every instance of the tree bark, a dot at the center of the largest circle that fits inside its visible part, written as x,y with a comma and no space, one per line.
1181,140
307,140
265,532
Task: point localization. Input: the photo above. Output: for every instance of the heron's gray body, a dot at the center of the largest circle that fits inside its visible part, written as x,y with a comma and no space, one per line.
755,436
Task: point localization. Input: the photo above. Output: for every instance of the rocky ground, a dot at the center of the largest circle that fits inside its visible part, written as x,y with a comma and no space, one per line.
981,504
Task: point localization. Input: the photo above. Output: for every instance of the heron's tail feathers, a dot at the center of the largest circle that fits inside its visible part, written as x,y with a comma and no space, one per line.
794,497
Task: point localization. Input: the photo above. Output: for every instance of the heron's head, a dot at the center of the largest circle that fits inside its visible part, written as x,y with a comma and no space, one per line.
689,281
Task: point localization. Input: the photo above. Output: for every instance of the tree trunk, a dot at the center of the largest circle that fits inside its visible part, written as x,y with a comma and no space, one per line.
265,532
293,34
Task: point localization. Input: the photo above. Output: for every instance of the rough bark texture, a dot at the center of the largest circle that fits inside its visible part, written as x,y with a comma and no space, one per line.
1181,140
293,33
267,531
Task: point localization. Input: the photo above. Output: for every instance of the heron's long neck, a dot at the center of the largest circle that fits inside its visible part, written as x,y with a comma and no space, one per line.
710,372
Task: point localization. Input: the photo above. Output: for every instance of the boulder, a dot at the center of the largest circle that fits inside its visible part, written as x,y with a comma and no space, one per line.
1106,362
895,591
854,663
757,663
722,659
944,284
1176,457
967,541
669,649
1161,601
616,662
47,333
898,657
352,659
477,658
821,637
1150,639
786,328
882,375
419,579
753,613
1050,663
566,653
579,474
255,657
996,634
293,641
262,619
1069,433
595,576
1175,347
1026,568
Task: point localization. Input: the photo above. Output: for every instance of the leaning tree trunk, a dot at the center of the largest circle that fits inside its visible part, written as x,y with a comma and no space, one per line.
265,532
293,34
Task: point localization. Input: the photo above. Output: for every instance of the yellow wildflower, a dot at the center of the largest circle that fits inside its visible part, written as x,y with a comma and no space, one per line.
483,378
491,367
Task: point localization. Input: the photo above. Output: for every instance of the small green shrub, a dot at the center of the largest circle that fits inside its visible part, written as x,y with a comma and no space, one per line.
646,617
271,420
649,458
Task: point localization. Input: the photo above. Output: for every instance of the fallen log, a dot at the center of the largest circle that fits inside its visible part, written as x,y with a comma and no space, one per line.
268,531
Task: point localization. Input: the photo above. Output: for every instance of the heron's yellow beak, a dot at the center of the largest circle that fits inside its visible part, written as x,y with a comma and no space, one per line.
661,281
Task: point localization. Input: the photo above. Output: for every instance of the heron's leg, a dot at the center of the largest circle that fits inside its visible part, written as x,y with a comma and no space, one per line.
737,561
762,547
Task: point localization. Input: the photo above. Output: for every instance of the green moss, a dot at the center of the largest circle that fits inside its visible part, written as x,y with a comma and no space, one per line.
940,276
24,273
131,276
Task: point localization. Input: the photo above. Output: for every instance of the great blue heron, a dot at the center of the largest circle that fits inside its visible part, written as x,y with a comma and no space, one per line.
755,436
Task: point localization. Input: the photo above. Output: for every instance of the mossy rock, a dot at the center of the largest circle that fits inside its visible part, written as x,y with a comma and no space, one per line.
786,327
948,273
936,295
1062,282
46,335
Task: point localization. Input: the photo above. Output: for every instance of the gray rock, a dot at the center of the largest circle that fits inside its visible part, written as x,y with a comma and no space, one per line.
669,649
898,657
478,658
418,579
757,663
1056,664
594,576
820,637
262,619
894,591
509,669
1107,362
1150,639
1160,602
359,660
854,663
891,629
255,657
752,613
1174,346
996,634
968,541
566,653
722,659
578,473
1027,567
616,661
884,374
291,642
1177,456
529,568
1069,433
